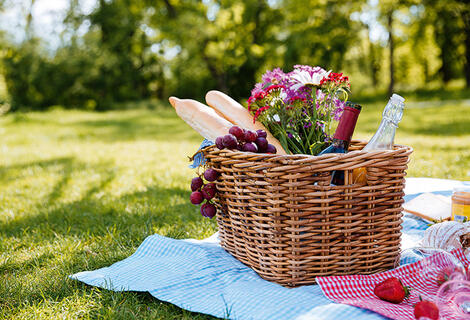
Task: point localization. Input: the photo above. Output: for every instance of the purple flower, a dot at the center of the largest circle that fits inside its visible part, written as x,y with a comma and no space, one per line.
320,95
289,135
311,70
339,107
276,76
257,89
304,93
308,125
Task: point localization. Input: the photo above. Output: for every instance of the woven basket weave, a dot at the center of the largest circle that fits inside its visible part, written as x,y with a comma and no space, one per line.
279,215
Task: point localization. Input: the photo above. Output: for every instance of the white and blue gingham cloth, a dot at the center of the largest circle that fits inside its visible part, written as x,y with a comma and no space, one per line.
200,276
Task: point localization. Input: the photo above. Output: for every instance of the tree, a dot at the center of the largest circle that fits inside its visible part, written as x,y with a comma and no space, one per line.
450,21
391,52
463,9
319,33
224,43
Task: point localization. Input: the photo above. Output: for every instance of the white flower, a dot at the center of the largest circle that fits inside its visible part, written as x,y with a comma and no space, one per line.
276,117
281,97
303,78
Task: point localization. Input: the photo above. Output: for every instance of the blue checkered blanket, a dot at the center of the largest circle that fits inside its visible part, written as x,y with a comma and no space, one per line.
198,275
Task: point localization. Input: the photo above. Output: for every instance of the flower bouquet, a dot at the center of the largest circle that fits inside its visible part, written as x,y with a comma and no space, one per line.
300,108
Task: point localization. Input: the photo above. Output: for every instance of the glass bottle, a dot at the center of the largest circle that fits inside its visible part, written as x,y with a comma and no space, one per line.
385,134
342,137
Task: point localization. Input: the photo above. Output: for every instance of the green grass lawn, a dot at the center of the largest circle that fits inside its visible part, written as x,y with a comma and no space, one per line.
81,190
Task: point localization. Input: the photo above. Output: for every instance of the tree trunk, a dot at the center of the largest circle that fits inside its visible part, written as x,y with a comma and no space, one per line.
171,10
466,18
29,19
372,60
391,47
446,57
425,64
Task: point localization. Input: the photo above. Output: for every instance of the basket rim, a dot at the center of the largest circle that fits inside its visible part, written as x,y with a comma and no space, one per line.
281,216
398,149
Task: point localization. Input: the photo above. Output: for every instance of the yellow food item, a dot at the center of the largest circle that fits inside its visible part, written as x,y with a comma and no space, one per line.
461,205
359,175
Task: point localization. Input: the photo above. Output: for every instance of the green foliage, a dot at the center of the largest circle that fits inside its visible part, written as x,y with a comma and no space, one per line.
111,63
141,49
22,67
319,33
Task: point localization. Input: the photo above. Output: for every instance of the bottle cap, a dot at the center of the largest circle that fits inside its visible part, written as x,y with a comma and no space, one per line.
347,123
394,109
353,105
397,97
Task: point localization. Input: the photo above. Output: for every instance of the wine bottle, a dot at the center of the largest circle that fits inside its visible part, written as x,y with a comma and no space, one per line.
342,137
385,134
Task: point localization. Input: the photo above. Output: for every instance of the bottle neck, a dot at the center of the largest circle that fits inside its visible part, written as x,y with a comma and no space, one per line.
346,126
341,144
384,136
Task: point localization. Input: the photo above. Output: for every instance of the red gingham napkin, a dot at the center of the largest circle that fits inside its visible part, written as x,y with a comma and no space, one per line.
358,290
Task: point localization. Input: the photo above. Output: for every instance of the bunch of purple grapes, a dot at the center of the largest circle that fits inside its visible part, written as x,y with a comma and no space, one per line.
205,191
245,140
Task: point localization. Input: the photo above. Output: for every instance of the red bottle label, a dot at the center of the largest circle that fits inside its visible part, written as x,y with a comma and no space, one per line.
347,123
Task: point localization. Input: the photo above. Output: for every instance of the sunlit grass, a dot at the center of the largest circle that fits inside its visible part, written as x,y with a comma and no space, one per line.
439,135
81,190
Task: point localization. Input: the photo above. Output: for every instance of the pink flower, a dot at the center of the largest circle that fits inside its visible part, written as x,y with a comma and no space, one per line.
258,87
274,87
338,111
258,112
275,76
320,95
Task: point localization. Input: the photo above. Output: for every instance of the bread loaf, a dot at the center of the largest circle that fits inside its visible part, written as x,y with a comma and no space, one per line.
237,114
201,118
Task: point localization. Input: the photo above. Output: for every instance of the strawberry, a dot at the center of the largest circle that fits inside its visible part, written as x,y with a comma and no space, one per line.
445,274
391,290
426,309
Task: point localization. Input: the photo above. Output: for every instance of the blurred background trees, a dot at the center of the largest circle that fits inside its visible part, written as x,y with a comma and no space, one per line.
123,50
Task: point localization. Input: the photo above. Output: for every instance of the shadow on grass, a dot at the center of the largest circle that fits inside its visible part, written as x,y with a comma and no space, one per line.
94,217
12,172
131,216
65,166
170,129
451,121
455,127
161,124
104,230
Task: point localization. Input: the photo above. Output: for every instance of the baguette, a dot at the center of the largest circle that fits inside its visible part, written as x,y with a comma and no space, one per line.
237,114
201,118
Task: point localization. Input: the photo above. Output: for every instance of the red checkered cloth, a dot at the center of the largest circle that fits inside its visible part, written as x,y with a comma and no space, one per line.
421,276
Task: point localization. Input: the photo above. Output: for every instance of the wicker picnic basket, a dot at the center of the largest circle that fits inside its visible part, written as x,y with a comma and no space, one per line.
279,215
